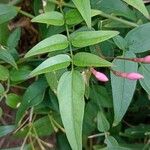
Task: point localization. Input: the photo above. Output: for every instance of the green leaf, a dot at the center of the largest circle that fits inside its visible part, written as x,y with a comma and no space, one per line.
52,64
84,59
70,92
14,38
53,43
4,130
138,39
2,90
111,141
4,73
145,71
87,38
102,122
74,17
51,18
84,8
32,97
139,5
1,112
20,74
124,89
7,57
100,96
13,100
120,42
42,126
116,7
4,33
7,12
112,144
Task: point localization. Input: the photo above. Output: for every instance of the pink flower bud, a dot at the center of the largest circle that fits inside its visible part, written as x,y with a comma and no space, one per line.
100,76
146,59
134,76
130,76
142,60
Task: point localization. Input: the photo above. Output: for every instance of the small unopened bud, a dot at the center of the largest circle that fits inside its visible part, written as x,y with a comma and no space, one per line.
100,76
130,76
145,59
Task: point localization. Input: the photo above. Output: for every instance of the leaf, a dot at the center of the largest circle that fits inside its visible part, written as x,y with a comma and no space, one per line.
13,100
1,112
84,59
124,89
42,126
139,131
139,5
84,8
7,12
111,141
138,39
70,94
52,64
74,17
4,73
32,97
116,7
145,71
14,38
100,96
4,130
7,57
102,122
87,38
21,74
120,42
2,90
51,18
53,43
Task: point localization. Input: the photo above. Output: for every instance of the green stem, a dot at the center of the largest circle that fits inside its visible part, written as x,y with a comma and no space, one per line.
118,19
24,13
68,36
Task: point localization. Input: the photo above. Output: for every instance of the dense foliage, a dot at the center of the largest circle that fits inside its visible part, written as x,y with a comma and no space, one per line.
75,74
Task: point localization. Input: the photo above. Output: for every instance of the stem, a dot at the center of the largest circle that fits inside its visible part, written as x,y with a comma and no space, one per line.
31,142
68,36
24,13
38,140
96,135
31,114
118,19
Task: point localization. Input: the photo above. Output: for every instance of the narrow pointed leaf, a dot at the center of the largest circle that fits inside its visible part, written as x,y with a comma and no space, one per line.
33,96
51,18
84,59
74,17
87,38
70,94
139,5
52,64
53,43
124,89
7,57
102,122
84,8
4,130
7,12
